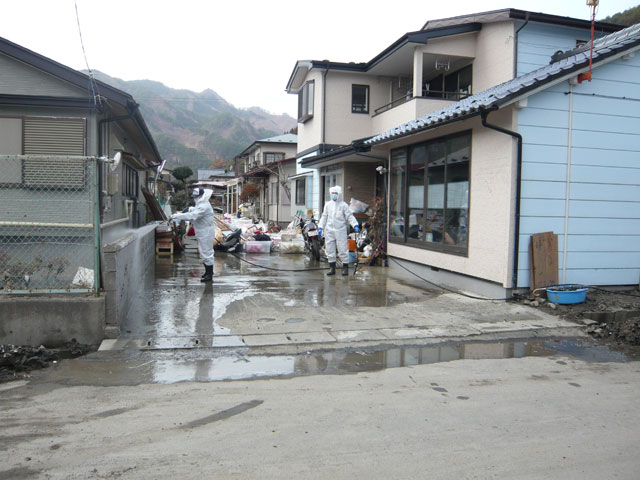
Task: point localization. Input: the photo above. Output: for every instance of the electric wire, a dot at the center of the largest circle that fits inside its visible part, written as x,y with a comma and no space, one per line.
92,82
278,269
450,290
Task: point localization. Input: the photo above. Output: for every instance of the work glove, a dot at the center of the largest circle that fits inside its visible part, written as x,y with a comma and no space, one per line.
357,229
320,232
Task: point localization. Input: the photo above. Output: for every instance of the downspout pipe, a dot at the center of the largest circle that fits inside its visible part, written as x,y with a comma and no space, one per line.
484,114
101,123
515,45
324,105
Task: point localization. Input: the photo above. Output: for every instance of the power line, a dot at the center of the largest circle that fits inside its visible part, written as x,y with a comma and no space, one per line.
92,83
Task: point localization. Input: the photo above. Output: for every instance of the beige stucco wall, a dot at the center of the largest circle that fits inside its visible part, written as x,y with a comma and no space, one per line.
491,205
491,48
343,126
310,132
457,45
494,55
289,150
414,108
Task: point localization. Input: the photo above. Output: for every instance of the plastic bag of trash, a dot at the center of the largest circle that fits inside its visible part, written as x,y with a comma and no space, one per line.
357,206
294,246
83,278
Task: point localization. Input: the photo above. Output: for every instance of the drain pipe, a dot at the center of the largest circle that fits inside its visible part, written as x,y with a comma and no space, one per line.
324,104
484,114
101,123
128,205
515,45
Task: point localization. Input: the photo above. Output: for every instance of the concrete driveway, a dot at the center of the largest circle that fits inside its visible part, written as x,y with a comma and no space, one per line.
285,311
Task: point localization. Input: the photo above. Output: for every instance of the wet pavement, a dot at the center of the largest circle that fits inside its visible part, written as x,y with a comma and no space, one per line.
205,365
254,322
292,306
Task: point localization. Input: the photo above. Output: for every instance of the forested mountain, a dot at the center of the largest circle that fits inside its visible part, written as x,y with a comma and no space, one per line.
198,129
629,17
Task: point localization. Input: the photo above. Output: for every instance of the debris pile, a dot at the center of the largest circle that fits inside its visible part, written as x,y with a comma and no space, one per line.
619,328
612,315
16,361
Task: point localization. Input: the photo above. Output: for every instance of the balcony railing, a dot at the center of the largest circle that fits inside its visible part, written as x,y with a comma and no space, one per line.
442,95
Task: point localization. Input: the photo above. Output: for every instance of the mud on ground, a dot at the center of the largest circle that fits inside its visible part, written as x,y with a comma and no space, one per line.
18,361
612,315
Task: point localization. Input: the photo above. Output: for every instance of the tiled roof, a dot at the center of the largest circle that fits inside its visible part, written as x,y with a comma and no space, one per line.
500,94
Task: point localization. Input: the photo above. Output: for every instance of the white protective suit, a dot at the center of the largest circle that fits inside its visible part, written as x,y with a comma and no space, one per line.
335,216
202,218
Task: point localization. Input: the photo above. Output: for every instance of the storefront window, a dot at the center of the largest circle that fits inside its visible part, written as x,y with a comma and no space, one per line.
435,192
396,193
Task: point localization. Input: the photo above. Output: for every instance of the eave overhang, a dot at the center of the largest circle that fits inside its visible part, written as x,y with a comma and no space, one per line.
406,42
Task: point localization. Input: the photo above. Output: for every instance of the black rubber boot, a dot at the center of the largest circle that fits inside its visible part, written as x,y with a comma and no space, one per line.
205,272
208,274
332,268
345,269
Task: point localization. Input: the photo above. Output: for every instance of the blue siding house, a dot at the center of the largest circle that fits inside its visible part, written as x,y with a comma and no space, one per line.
547,151
581,173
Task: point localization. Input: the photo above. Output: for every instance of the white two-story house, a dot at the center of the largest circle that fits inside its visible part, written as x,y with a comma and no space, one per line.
432,218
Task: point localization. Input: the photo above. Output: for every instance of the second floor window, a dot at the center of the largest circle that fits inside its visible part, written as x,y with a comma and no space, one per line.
273,157
359,98
305,101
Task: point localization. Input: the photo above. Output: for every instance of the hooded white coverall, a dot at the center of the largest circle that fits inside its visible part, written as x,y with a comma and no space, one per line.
202,218
335,216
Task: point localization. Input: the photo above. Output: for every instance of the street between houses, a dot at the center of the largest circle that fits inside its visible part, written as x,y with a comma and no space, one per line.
369,376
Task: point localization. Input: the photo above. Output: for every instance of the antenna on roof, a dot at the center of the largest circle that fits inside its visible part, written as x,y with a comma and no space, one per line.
593,4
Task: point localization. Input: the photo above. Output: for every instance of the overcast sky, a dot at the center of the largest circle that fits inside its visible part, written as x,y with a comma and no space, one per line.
243,50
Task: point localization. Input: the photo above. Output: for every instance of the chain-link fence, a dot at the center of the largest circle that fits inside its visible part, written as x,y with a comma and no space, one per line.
49,224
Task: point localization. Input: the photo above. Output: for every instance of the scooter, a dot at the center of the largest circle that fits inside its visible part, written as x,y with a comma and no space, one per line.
231,243
312,242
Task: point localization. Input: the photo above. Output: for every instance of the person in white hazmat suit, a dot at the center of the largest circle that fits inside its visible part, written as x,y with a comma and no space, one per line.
333,225
202,218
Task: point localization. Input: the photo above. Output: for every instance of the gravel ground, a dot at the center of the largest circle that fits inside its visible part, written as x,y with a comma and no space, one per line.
612,315
18,361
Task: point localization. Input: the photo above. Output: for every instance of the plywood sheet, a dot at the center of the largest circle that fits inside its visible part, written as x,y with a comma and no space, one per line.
543,256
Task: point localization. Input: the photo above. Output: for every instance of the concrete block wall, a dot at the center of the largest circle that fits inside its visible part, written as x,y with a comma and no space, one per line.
125,263
51,320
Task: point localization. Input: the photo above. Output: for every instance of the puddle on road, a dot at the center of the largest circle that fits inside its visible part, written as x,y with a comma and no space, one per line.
202,365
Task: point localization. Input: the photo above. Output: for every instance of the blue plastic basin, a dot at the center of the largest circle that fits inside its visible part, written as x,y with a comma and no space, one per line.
567,297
